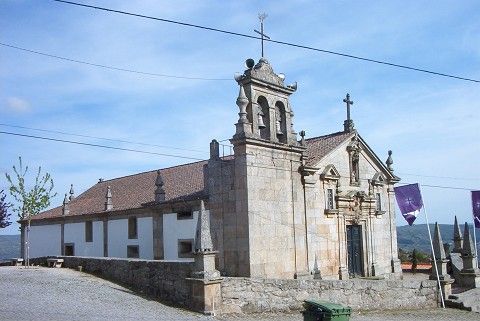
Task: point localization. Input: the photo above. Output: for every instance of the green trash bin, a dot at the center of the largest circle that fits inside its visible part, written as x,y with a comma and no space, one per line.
325,311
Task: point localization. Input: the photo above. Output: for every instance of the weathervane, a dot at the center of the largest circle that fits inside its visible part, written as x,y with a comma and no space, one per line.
262,17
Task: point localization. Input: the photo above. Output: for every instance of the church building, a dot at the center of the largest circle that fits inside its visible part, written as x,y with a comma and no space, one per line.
280,207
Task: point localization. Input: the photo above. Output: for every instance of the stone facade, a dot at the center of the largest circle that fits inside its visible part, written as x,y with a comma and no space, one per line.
269,201
279,207
254,295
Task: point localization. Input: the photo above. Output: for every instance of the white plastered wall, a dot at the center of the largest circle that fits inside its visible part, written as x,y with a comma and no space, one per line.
118,238
174,230
75,233
45,240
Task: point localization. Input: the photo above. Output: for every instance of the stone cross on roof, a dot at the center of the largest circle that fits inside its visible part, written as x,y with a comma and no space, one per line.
348,124
262,17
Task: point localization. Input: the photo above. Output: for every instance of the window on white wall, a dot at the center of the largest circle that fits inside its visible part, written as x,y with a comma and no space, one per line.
185,248
132,228
88,231
133,251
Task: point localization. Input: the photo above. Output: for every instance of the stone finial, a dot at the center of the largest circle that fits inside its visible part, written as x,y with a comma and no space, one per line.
160,190
72,193
438,248
302,134
108,199
468,246
242,102
389,161
457,238
214,150
316,271
65,206
203,237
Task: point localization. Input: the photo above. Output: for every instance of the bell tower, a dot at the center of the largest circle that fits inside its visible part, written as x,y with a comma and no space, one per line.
265,110
266,225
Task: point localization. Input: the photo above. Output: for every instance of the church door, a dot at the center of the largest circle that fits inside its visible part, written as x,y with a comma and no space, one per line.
355,255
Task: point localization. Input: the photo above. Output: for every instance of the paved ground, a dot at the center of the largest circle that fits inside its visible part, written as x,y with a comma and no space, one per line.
63,294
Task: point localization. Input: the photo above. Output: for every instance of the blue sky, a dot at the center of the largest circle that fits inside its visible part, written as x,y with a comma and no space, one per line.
430,122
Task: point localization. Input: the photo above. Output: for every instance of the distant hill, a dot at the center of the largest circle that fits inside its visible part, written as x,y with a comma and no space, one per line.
416,236
9,246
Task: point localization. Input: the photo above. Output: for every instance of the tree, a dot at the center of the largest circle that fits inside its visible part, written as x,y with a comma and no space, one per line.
29,201
414,259
4,214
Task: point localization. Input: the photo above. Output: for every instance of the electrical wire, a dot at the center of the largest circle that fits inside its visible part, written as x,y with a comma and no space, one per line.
111,67
98,145
198,159
269,40
102,138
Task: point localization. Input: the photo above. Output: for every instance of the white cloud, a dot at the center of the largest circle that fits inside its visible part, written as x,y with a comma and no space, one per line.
17,105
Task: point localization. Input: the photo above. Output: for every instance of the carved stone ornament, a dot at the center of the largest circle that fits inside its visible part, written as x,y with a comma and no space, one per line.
264,72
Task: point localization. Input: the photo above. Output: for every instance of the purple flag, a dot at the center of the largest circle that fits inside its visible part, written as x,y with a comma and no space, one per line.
409,200
476,208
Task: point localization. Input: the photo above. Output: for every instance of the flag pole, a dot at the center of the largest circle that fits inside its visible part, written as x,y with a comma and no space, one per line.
474,231
433,255
475,242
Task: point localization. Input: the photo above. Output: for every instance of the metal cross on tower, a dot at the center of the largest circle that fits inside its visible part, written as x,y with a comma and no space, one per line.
348,124
262,17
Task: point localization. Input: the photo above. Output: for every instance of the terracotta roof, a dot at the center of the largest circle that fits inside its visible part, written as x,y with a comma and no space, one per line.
182,182
319,147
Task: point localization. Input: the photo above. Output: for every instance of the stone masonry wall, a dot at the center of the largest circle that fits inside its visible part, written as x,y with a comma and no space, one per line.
160,279
251,295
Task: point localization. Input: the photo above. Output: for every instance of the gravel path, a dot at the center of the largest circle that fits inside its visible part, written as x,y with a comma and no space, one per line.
63,294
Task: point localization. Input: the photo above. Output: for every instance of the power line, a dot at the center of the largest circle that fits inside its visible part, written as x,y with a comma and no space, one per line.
102,138
192,158
110,67
446,177
101,146
270,40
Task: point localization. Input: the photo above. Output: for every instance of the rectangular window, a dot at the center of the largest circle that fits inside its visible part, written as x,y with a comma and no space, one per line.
88,231
132,228
379,201
133,252
185,215
330,201
185,248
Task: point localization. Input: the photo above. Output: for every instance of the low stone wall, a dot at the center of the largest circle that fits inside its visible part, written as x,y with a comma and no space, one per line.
251,295
165,280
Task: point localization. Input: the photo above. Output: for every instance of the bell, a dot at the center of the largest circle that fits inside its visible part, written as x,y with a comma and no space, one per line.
279,129
261,125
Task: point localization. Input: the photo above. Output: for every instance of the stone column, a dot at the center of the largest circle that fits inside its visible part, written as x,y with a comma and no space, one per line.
470,274
205,281
441,261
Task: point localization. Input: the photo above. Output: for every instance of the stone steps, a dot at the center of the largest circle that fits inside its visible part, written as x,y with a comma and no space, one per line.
468,300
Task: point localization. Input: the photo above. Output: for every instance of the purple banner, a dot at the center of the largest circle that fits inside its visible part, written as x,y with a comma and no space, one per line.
476,208
409,200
